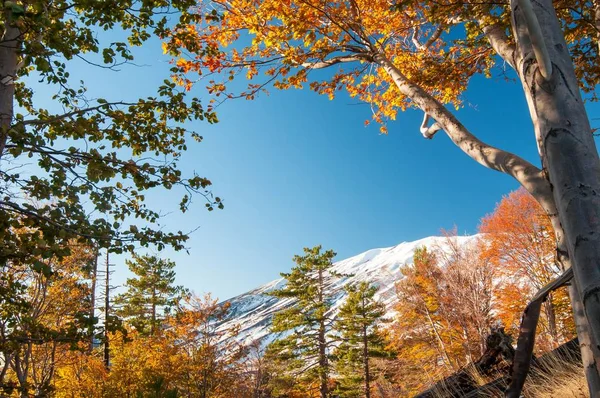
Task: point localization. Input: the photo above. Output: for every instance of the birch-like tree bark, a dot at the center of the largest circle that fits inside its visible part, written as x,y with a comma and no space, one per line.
567,149
8,73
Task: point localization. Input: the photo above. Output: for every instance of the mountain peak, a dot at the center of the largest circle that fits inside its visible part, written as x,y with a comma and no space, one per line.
252,311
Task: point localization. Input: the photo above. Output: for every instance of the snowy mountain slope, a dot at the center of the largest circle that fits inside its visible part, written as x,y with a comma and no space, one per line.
252,311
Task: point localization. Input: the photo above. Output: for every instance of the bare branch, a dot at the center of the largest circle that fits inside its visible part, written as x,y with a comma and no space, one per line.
415,39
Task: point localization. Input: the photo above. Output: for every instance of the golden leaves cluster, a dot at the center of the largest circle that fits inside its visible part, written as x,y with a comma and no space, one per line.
277,43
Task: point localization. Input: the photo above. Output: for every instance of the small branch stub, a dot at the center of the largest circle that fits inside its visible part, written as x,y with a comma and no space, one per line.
429,131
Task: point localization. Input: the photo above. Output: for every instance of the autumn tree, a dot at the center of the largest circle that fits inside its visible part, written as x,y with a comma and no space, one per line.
213,357
44,316
81,373
521,243
357,325
256,370
147,366
191,355
444,312
150,295
75,165
401,54
421,334
467,291
305,350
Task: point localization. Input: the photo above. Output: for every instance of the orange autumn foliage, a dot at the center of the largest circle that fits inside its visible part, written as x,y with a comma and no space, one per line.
45,322
444,313
280,44
188,357
520,240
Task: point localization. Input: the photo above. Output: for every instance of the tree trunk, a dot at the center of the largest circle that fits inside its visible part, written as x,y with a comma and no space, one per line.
567,149
93,301
498,350
589,350
438,338
21,368
153,324
107,314
597,23
366,363
551,318
577,158
7,359
323,374
8,73
322,361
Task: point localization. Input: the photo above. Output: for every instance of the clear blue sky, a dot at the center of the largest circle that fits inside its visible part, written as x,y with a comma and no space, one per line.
296,170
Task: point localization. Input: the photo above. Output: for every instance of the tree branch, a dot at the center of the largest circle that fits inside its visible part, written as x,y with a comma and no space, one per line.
432,39
56,118
415,39
524,172
9,206
435,35
336,60
497,37
429,131
525,343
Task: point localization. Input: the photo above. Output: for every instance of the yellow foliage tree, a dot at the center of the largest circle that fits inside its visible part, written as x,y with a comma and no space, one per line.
189,356
44,317
444,312
521,243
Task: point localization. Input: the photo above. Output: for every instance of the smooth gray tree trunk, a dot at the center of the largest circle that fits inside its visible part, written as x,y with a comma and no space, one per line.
567,149
589,350
10,44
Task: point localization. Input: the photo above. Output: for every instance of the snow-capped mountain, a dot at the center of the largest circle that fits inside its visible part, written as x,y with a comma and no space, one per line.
252,311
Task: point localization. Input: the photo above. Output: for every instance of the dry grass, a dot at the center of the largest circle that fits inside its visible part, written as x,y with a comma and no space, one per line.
443,390
558,376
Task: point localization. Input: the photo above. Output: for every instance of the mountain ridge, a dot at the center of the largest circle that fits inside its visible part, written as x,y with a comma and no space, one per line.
252,311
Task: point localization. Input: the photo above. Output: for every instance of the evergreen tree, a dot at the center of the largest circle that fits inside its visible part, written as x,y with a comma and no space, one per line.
305,351
357,326
150,294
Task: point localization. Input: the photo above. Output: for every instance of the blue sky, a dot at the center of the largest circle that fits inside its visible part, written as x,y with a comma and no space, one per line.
296,170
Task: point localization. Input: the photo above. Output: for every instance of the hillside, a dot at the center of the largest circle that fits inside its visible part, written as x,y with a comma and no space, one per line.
253,310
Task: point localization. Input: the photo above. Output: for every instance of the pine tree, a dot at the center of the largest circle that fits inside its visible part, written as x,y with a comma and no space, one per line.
305,351
357,326
148,294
